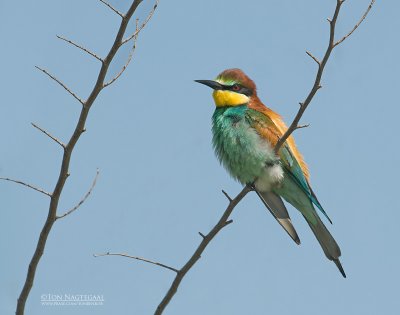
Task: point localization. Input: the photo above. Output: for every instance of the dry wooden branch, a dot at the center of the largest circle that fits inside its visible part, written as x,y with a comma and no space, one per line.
321,66
138,258
26,185
123,68
314,58
82,200
223,221
49,135
112,8
302,126
126,63
206,239
226,195
138,29
80,47
357,25
62,84
69,147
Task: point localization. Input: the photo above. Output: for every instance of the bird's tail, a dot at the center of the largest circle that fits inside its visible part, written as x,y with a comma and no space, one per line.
326,240
275,205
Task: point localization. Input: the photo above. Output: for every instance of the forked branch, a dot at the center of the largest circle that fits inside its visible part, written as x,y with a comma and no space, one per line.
206,239
357,25
128,60
138,29
82,200
321,66
69,147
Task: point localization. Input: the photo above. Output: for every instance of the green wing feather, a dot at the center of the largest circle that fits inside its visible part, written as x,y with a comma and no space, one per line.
267,129
294,170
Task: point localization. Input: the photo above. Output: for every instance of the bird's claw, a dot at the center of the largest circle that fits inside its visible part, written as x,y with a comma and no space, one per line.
252,186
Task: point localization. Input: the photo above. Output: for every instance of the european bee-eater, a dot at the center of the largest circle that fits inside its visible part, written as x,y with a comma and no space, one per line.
245,133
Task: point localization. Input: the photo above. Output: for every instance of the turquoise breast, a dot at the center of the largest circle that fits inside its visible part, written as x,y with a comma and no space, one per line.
237,145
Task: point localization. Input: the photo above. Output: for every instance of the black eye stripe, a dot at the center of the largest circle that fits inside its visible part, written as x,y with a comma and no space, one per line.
232,87
241,90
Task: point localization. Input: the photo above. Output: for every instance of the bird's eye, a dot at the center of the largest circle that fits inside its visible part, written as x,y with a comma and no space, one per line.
235,87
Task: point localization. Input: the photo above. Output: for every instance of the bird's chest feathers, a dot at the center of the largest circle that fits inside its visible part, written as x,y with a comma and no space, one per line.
240,148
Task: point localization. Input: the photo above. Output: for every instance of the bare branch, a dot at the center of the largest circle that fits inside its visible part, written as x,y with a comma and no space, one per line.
125,65
138,29
82,200
226,195
80,47
321,66
314,58
26,185
228,222
112,8
69,147
302,126
357,25
138,258
62,84
223,221
49,135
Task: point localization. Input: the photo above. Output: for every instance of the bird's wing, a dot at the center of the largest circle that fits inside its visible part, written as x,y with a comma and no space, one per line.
294,170
270,126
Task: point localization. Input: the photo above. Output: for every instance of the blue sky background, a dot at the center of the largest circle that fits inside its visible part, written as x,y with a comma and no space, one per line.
149,134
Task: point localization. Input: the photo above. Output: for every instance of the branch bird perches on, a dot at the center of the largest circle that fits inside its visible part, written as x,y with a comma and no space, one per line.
224,220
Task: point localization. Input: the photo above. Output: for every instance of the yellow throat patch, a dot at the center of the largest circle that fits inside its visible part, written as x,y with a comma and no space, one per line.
229,98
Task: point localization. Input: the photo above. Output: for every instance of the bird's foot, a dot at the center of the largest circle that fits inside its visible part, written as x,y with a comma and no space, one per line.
252,186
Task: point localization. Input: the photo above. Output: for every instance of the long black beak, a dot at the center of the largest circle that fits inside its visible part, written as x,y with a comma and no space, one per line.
212,84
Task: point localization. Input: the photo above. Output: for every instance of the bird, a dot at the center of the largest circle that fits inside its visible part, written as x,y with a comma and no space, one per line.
244,134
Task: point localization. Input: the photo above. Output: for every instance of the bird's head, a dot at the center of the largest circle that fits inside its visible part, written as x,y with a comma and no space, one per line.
232,87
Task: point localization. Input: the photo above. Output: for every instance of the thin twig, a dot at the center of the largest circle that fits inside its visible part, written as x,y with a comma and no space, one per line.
302,126
358,24
49,135
313,57
321,66
62,84
125,65
223,221
138,258
138,29
80,47
226,195
112,8
64,169
82,200
26,185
